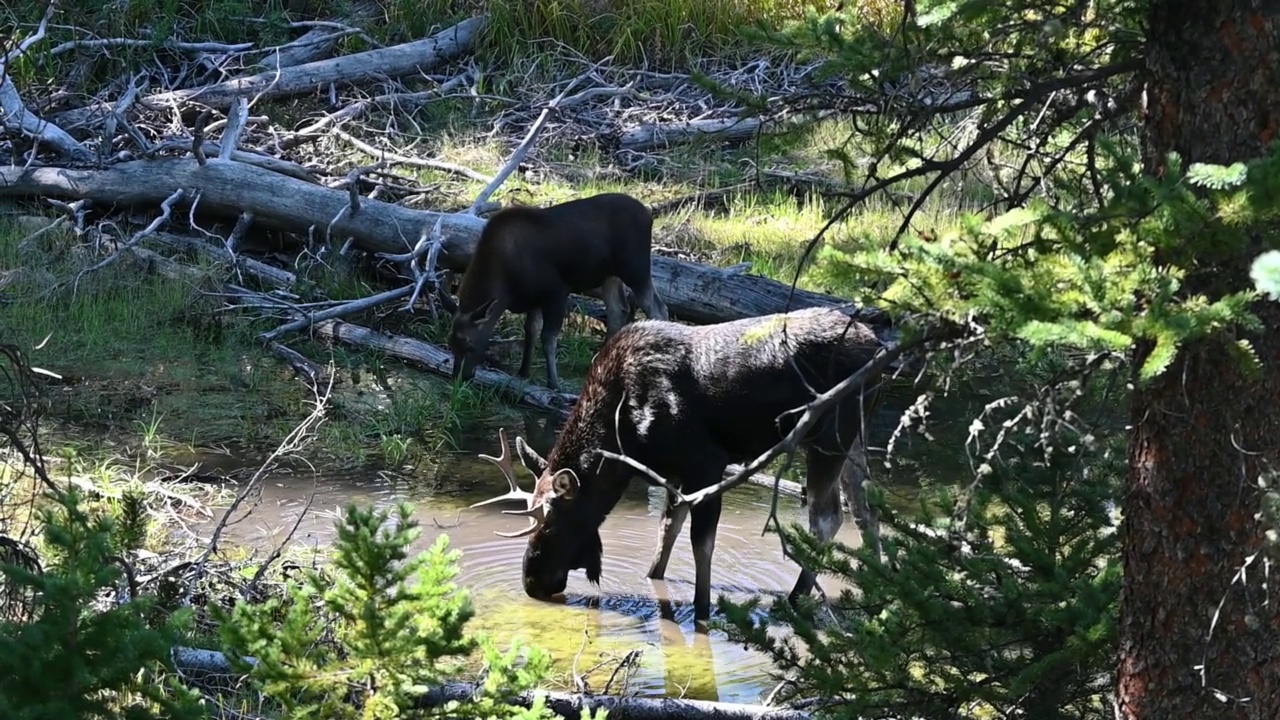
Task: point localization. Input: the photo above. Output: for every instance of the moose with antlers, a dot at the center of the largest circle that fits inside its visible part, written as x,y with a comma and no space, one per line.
685,402
528,260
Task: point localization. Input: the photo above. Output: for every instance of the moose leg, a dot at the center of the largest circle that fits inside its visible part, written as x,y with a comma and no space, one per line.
673,517
649,301
532,323
706,516
854,475
552,321
615,305
825,511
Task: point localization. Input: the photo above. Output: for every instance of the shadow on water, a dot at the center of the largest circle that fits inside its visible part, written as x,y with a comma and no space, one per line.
626,612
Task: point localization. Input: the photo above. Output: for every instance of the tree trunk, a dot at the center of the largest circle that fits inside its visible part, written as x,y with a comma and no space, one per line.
1196,639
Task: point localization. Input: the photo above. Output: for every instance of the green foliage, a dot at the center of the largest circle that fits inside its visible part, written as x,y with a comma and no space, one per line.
74,659
660,33
1097,279
1011,611
1089,252
998,601
398,622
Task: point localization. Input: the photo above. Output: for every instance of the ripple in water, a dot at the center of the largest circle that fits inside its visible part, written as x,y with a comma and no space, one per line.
625,613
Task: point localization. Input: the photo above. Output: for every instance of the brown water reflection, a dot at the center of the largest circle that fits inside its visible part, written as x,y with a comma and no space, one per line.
627,612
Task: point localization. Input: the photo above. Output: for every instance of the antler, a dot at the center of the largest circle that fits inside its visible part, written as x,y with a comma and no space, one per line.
535,514
508,471
504,463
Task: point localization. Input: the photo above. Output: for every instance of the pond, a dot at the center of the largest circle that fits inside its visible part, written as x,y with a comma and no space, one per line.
594,626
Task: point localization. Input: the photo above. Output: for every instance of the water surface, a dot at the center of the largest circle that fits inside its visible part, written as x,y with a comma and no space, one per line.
627,612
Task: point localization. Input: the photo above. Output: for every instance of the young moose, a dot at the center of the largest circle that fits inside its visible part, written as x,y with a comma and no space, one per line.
686,401
528,260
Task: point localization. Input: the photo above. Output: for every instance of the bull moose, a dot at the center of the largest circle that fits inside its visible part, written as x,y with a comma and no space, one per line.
528,260
686,401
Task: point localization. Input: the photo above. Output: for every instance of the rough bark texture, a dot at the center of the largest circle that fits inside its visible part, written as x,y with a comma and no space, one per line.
1204,431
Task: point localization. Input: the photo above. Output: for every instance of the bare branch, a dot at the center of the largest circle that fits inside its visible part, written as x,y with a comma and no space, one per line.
166,210
297,438
357,110
385,155
236,120
353,69
345,309
172,45
197,136
527,144
41,30
814,411
16,118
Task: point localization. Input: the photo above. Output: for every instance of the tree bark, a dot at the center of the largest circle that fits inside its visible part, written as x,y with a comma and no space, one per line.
655,136
1196,640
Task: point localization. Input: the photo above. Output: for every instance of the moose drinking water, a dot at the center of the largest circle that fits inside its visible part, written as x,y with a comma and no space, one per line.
685,402
528,260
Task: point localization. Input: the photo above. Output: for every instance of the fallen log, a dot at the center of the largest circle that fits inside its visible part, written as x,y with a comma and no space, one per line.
693,292
567,705
652,136
315,45
440,361
360,68
15,118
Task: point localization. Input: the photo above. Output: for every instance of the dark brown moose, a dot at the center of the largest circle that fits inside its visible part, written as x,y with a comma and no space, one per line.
528,260
686,401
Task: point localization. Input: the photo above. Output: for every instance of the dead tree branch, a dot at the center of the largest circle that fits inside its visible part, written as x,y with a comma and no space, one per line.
357,69
18,119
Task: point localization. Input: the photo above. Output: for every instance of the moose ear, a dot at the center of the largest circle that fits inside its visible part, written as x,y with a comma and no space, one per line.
529,457
564,483
481,313
447,301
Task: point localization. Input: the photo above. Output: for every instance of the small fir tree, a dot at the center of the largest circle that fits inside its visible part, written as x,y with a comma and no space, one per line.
996,600
74,659
399,625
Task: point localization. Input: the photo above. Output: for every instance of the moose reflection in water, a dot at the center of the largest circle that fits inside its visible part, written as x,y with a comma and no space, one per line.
686,401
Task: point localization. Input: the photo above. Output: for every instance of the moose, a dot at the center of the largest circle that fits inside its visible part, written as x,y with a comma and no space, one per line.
528,260
686,401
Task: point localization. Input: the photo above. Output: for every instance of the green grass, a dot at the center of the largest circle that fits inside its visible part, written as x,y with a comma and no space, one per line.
152,362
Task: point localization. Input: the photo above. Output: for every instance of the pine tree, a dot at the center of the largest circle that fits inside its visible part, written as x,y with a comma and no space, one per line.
1095,237
74,659
997,596
398,624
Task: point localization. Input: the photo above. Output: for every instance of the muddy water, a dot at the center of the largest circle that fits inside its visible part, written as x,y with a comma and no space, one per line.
626,612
